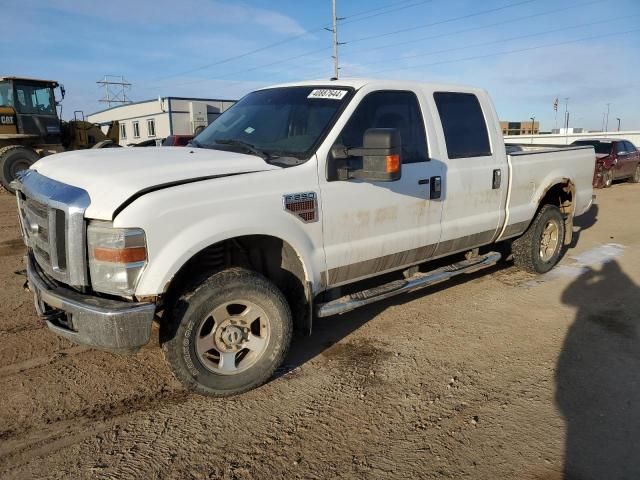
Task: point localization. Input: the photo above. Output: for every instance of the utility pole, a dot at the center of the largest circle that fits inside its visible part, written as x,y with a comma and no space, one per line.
533,118
606,127
566,115
336,43
618,119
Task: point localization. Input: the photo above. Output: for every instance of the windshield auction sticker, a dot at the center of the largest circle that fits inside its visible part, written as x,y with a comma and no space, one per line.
327,93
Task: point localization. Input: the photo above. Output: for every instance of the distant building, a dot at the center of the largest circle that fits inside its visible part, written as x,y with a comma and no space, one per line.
568,131
161,117
520,128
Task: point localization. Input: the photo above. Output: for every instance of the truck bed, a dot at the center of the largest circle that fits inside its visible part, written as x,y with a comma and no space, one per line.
547,165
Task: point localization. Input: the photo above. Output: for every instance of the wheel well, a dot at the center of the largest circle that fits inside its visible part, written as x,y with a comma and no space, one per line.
562,195
270,256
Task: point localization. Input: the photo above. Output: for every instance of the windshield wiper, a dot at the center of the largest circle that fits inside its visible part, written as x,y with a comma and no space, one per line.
247,146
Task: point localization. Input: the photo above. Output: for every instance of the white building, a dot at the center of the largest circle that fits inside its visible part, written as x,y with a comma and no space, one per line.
159,118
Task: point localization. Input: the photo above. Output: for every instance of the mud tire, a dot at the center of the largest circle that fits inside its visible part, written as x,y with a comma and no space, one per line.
12,159
178,332
526,249
635,178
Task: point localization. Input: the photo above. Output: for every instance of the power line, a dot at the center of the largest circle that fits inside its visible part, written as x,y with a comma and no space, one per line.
415,4
473,29
280,42
503,40
483,12
440,22
507,52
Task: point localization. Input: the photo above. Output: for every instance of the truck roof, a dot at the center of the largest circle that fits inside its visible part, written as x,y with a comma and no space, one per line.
358,83
28,79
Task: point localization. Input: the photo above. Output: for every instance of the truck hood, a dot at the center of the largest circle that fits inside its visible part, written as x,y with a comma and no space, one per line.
112,176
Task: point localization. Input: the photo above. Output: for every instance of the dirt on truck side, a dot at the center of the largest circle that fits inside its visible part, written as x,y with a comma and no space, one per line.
500,374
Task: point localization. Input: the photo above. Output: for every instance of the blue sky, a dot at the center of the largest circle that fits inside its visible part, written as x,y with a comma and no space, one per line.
524,52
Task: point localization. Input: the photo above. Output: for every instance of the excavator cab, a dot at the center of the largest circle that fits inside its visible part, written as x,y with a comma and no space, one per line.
29,109
30,127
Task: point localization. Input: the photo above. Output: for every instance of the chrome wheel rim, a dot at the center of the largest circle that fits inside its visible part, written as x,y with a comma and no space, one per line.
550,240
233,337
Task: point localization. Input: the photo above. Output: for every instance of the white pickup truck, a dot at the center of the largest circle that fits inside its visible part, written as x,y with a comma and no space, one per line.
277,212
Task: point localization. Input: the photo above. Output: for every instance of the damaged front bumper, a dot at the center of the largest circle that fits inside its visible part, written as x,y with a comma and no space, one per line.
103,323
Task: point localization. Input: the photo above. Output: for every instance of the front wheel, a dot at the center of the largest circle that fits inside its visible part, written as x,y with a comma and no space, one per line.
636,175
228,334
539,249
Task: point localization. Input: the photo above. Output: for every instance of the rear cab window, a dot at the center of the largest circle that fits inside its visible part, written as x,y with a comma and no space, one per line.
463,124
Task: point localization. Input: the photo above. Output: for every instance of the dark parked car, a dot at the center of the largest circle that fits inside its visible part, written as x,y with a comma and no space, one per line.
615,159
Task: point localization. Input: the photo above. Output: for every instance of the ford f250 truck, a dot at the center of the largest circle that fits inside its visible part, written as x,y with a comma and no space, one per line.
278,212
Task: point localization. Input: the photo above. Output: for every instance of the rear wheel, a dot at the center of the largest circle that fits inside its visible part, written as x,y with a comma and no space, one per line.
228,334
14,159
607,178
636,175
538,250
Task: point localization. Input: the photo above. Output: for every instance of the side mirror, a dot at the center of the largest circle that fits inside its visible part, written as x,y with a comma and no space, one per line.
380,157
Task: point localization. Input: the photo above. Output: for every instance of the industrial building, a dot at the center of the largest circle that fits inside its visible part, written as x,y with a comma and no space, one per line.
526,127
161,117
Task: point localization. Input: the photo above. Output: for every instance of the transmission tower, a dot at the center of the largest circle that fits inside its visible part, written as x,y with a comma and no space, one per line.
115,90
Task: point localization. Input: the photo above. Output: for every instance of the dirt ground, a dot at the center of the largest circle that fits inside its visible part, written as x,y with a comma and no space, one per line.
498,375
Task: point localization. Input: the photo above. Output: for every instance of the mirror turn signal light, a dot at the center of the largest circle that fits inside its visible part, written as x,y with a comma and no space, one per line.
393,163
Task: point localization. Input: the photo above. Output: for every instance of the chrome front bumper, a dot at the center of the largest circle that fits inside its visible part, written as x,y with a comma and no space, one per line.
117,326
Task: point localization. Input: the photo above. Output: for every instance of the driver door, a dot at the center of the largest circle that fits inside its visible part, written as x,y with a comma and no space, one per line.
370,227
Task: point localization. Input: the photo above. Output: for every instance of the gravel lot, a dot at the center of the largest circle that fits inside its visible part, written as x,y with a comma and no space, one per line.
498,375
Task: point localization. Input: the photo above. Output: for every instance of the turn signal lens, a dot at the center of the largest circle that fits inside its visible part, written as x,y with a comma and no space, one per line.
120,255
393,163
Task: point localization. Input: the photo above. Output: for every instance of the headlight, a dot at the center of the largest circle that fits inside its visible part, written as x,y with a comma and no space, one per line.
117,257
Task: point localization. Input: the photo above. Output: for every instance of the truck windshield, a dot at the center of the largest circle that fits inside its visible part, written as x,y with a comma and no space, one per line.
33,99
276,122
6,95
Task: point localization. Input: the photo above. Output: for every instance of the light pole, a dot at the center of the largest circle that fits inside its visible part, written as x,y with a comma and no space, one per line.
533,118
606,125
618,119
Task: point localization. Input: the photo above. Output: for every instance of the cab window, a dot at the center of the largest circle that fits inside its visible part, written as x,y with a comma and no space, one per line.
35,99
463,123
389,109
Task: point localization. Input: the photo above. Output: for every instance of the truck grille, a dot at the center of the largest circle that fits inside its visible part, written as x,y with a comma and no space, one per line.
44,233
52,219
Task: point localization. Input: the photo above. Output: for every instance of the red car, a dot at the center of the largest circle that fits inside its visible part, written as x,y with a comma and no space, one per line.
177,140
615,159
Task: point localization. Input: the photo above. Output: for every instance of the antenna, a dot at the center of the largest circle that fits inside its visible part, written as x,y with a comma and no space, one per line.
115,89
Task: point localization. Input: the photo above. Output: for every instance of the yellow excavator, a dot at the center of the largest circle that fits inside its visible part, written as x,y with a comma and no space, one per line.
30,127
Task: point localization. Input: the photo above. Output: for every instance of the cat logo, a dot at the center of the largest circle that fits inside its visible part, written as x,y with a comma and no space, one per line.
7,119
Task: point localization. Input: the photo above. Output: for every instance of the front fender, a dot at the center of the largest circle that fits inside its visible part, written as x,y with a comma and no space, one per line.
180,222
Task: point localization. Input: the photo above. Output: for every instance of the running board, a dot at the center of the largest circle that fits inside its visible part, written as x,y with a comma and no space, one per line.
414,282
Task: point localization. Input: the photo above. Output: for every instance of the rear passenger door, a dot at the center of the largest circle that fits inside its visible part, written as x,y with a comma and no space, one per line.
476,178
633,157
622,168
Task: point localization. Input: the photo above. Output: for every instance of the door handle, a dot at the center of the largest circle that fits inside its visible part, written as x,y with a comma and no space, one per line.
497,179
436,188
423,181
